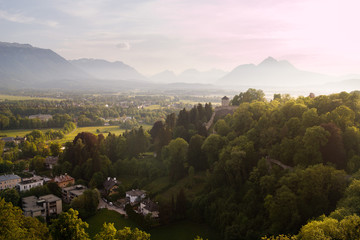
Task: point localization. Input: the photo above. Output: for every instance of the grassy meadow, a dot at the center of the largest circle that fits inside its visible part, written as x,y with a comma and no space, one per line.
4,97
182,230
104,215
69,137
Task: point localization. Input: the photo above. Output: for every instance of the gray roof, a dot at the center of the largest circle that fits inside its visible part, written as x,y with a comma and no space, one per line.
9,177
225,98
136,192
108,184
49,198
150,205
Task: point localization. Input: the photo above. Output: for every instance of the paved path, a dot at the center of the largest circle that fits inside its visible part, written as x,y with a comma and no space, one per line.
103,204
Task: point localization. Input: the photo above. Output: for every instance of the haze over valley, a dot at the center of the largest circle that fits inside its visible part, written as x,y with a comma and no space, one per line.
179,119
25,66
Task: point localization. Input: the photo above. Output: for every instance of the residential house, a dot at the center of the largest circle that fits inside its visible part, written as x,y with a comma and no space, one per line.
135,196
110,186
15,140
149,207
44,206
64,180
28,183
9,181
51,161
69,193
41,117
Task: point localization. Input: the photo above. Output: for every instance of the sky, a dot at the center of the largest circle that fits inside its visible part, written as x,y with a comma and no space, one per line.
157,35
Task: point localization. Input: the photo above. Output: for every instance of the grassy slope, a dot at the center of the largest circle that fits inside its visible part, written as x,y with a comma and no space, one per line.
184,230
69,137
176,231
104,215
164,190
20,132
16,98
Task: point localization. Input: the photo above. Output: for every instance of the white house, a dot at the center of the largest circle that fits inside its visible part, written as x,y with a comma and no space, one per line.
135,196
27,184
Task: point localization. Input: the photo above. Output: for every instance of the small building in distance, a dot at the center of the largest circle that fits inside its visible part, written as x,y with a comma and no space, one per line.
149,207
135,196
51,161
29,183
15,140
110,186
69,193
9,181
225,101
64,180
41,117
44,206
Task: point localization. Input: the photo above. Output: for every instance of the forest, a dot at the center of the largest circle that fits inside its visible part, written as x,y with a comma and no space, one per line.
287,168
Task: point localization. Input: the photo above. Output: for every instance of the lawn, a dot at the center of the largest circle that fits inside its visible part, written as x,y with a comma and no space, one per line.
184,230
104,215
153,107
4,97
20,132
192,187
158,185
176,231
103,130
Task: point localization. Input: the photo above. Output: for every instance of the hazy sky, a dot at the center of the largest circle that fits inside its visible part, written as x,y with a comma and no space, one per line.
152,36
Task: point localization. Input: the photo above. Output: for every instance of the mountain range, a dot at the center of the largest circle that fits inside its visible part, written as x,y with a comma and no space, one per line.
25,66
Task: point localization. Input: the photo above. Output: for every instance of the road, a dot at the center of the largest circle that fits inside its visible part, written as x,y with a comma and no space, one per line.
103,204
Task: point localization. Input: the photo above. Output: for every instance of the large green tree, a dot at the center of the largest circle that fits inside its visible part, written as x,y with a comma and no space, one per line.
69,226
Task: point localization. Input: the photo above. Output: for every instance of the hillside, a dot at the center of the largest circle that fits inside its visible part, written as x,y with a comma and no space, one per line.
22,65
103,69
271,72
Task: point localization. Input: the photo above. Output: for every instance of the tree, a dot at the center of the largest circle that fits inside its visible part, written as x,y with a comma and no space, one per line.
222,128
97,180
55,148
109,232
196,157
212,147
86,203
250,95
69,226
334,151
175,157
11,195
14,225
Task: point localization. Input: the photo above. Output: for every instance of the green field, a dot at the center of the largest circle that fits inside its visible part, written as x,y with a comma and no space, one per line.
104,215
20,132
164,190
69,137
4,97
153,107
176,231
184,230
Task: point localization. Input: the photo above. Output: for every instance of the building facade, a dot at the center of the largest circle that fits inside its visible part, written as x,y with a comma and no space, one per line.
69,193
64,180
135,196
29,183
44,206
9,181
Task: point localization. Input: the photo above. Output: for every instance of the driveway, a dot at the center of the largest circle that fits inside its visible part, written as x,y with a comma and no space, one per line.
103,204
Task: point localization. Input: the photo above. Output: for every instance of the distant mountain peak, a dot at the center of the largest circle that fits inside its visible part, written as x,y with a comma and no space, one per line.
18,45
268,60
